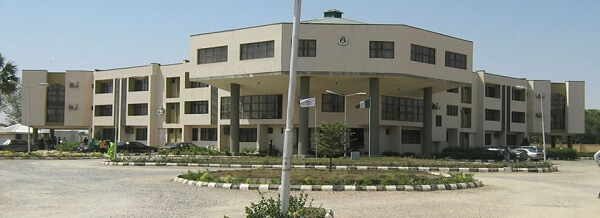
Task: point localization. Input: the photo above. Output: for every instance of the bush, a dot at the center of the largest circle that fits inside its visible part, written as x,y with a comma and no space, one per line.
67,146
586,154
562,153
249,150
390,154
272,208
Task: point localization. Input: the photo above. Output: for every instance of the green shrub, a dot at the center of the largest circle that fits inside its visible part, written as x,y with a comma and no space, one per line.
390,154
272,208
249,150
469,153
586,154
176,151
163,152
562,153
67,146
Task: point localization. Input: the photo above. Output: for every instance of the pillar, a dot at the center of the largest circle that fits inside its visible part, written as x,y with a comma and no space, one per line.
570,141
553,141
51,133
374,117
303,130
427,131
234,119
35,134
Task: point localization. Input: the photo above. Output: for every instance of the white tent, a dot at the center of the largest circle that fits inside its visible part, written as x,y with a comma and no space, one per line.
14,129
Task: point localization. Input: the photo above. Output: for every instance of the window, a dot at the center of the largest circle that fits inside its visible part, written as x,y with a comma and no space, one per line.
456,60
422,54
466,95
103,110
138,109
557,111
212,55
518,94
492,115
196,107
248,135
379,49
108,133
411,137
255,107
270,130
454,90
55,103
194,134
209,134
138,84
452,110
307,48
402,109
492,91
257,50
511,139
193,84
488,139
105,86
172,87
438,120
518,117
465,121
141,134
333,103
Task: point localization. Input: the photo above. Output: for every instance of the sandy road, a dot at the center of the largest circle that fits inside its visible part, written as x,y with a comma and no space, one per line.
84,188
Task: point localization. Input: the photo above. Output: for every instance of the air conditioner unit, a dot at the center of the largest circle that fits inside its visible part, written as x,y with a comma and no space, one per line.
539,95
129,130
73,84
435,106
72,106
160,111
538,114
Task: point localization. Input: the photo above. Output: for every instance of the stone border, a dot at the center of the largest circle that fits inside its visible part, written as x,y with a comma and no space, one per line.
322,167
271,187
48,158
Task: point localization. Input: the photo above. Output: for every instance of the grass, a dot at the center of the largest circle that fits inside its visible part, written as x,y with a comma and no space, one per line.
48,154
322,177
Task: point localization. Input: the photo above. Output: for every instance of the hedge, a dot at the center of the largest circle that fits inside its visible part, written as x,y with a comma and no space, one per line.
562,153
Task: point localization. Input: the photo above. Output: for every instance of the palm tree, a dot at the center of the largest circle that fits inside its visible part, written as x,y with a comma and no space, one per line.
8,72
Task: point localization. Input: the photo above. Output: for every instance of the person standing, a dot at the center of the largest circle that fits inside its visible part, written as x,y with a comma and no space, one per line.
597,158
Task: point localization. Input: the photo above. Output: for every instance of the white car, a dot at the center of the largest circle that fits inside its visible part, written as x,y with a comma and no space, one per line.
532,154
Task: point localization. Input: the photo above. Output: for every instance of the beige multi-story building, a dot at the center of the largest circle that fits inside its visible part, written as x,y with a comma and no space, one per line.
423,93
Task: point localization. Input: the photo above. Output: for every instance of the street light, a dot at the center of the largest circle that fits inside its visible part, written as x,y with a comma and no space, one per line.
345,109
29,114
541,96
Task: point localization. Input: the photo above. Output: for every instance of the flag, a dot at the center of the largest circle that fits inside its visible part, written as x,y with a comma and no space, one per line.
364,104
308,102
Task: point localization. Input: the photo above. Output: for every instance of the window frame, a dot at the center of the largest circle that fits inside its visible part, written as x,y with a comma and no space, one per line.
257,50
381,49
307,48
456,60
212,55
422,54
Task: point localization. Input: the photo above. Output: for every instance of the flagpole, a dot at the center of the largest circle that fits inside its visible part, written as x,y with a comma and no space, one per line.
315,140
369,126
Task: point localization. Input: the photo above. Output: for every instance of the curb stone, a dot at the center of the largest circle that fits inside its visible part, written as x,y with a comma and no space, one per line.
272,187
48,158
424,169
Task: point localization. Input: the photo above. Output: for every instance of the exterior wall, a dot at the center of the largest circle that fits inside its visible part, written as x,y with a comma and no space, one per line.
575,93
78,99
36,114
534,122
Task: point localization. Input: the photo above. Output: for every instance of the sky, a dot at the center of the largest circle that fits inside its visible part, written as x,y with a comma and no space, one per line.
534,39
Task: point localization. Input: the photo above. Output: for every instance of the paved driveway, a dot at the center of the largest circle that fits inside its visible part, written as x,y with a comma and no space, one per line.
84,188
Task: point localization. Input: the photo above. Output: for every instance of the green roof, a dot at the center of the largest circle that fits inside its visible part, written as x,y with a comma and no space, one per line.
333,16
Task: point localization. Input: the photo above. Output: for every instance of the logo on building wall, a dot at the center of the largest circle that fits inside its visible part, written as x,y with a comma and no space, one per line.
343,41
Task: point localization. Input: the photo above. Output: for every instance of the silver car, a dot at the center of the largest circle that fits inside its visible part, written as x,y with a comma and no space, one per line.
532,153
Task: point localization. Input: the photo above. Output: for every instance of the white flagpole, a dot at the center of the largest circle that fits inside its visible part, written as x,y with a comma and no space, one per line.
315,135
286,165
369,126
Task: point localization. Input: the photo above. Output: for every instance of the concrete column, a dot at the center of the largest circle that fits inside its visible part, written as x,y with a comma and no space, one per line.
35,134
51,133
374,115
234,119
303,128
570,141
553,141
427,131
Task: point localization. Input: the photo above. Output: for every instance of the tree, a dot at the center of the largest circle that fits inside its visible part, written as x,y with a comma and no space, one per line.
8,72
12,106
592,128
331,140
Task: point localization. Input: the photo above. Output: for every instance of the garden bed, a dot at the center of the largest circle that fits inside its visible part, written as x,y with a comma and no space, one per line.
51,154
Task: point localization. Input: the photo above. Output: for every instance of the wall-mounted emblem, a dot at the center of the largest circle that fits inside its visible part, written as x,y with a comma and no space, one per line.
343,41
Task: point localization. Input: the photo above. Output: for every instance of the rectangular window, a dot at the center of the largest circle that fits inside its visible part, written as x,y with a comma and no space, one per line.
488,139
195,134
257,50
225,107
511,139
332,103
438,120
492,115
194,84
141,134
380,49
208,134
411,136
452,110
196,107
518,94
466,118
103,110
108,134
401,109
248,135
456,60
422,54
307,48
104,87
138,84
518,117
454,90
138,109
212,55
255,107
466,95
492,91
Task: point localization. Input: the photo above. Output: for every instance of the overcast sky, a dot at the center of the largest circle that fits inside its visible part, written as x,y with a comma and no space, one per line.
533,39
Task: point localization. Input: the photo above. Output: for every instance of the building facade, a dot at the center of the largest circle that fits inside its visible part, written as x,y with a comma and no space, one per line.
423,93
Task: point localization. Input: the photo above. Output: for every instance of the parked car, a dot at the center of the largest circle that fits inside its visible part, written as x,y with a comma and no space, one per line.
178,145
519,154
135,147
532,154
16,145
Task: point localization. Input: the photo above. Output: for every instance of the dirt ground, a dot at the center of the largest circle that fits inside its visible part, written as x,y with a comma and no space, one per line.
84,188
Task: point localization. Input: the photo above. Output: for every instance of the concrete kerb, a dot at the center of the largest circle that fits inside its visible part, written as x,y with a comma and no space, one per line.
264,187
48,158
424,169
